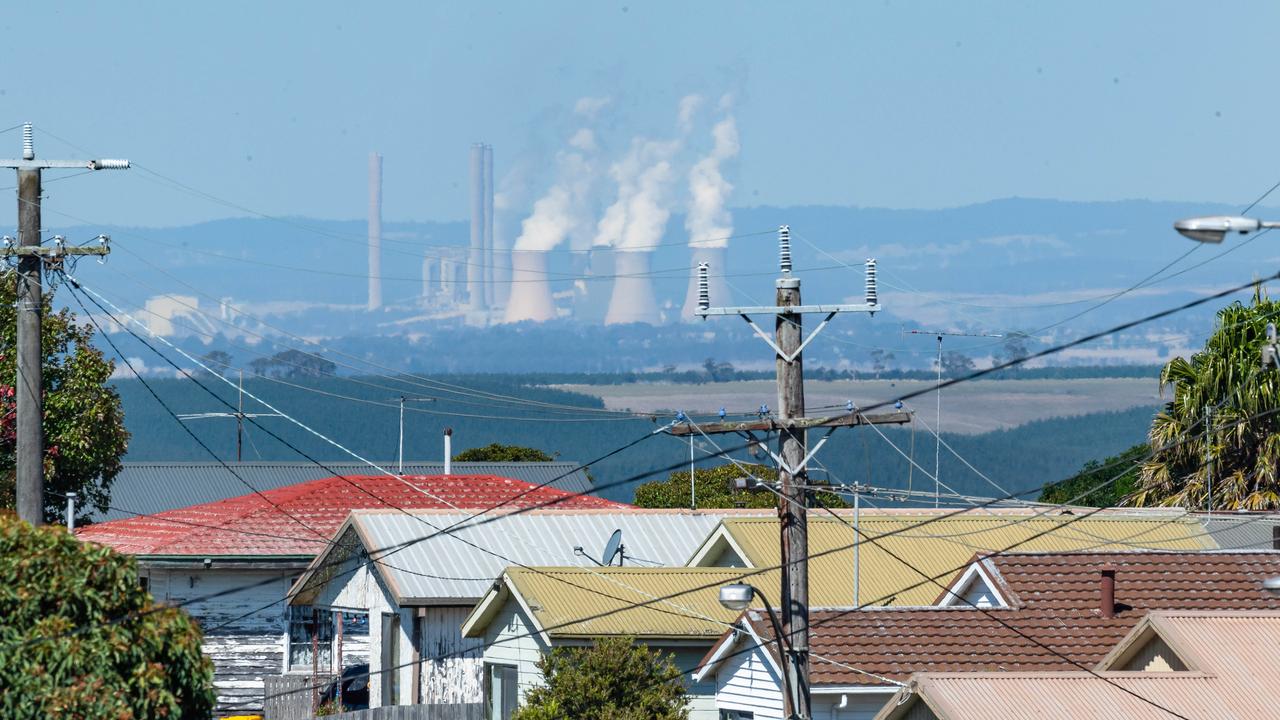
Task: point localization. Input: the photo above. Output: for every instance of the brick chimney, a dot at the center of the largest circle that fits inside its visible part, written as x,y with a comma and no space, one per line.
1107,578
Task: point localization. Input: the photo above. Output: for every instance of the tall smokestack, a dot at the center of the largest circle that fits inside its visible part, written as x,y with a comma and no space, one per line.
375,231
632,300
487,189
530,292
476,260
714,257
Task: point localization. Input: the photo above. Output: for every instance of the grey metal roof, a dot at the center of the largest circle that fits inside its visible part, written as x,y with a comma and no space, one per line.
1242,531
143,488
443,568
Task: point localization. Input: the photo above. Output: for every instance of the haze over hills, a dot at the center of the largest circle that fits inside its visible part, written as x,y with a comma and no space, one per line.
1015,264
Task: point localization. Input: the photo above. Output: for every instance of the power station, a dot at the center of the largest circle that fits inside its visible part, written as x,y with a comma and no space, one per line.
487,282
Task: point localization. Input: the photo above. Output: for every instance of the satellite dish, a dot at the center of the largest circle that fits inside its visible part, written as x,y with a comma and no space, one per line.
613,548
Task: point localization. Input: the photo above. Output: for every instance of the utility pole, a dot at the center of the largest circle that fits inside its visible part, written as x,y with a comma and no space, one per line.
239,416
937,423
32,259
791,425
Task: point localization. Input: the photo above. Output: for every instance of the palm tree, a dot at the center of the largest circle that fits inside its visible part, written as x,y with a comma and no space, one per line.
1222,388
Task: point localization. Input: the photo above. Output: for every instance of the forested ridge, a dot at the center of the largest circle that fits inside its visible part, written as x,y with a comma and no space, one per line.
1019,459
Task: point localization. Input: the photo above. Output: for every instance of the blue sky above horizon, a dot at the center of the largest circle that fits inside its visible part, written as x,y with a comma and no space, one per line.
275,106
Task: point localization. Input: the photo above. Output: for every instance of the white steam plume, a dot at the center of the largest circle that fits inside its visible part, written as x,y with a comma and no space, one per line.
564,209
708,222
638,216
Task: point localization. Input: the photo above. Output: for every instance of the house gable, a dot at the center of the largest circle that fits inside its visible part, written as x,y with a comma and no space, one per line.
1147,649
975,587
720,550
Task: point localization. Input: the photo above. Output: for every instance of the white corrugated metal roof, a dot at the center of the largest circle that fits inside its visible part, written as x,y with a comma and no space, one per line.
462,567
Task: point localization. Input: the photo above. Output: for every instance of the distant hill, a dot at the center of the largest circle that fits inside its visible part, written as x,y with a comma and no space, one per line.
1047,267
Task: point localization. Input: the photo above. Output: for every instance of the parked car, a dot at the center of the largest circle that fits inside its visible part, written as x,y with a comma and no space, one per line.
355,688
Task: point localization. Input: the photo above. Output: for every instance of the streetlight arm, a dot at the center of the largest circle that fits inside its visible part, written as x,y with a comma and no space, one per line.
777,627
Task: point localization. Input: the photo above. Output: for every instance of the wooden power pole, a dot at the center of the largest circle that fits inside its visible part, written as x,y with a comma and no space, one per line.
793,455
33,257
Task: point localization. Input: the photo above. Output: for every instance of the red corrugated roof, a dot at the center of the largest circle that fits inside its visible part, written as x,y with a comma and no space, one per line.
1055,599
299,519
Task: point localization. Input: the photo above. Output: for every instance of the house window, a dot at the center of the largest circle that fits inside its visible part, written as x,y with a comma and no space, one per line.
499,691
304,622
736,715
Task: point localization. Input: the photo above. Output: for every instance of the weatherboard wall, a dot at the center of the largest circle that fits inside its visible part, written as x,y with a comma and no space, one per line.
747,682
245,625
512,639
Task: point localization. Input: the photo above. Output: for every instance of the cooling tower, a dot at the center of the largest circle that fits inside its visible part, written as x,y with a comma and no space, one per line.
530,292
486,189
714,258
632,300
476,260
375,231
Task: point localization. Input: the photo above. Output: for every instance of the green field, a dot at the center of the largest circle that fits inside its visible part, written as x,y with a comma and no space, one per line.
970,408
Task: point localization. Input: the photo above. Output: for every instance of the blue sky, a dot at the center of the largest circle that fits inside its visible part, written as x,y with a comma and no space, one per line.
893,104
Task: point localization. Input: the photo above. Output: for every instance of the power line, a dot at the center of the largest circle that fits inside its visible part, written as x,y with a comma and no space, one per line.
1015,362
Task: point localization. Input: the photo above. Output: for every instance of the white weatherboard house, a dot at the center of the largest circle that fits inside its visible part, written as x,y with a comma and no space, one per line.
231,561
531,610
417,583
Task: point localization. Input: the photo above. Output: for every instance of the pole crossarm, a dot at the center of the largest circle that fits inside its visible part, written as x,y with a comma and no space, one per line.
104,164
51,252
773,424
786,309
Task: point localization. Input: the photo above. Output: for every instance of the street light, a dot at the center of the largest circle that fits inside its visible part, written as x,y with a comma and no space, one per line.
738,596
1214,229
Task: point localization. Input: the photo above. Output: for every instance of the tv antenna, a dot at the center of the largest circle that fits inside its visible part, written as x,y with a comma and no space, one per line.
239,415
937,423
402,399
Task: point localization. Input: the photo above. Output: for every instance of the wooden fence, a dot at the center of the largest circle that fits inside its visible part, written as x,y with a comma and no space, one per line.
289,697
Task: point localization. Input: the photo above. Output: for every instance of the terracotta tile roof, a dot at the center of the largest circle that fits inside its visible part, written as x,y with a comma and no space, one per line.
1055,599
299,519
1233,668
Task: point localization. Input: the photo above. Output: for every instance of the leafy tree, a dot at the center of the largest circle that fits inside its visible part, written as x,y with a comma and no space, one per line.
262,366
81,639
1244,428
1100,484
880,360
218,360
1015,347
495,452
299,364
615,679
718,371
955,364
84,433
292,364
716,487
